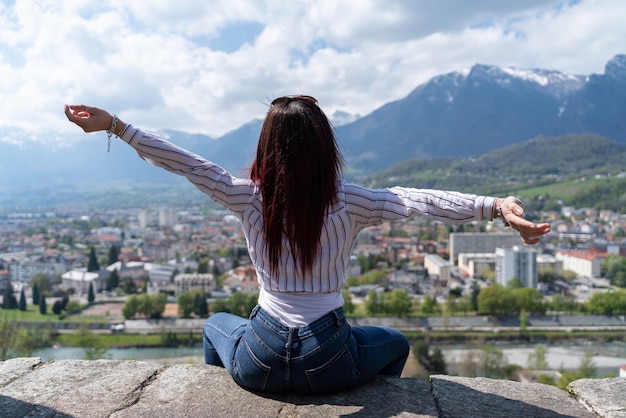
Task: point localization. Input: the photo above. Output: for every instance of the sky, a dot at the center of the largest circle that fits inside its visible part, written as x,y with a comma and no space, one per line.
211,66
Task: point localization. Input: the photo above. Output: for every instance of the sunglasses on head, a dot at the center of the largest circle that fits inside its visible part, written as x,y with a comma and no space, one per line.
284,99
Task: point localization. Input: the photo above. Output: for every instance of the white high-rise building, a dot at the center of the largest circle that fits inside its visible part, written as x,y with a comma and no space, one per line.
167,217
516,263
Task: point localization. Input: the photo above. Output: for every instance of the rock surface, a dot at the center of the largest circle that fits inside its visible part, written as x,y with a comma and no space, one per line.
121,388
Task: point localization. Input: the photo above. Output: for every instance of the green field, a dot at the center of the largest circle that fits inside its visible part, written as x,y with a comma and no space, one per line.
568,189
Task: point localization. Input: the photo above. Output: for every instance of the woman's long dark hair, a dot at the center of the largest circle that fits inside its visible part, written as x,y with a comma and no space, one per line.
297,167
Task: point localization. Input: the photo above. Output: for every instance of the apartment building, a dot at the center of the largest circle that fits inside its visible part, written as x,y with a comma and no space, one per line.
480,242
583,263
517,262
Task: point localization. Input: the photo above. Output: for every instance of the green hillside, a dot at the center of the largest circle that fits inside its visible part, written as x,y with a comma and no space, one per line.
571,170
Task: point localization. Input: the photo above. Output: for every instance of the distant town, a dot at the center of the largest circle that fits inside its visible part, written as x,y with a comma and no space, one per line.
172,251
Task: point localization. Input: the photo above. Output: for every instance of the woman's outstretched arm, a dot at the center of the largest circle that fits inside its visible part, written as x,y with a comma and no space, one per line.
234,193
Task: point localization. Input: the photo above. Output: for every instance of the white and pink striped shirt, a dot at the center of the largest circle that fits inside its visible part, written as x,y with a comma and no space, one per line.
294,299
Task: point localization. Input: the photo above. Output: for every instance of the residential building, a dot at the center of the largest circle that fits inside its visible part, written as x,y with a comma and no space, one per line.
549,262
79,280
474,264
408,278
24,271
194,281
480,242
517,263
437,266
583,263
5,280
248,283
167,217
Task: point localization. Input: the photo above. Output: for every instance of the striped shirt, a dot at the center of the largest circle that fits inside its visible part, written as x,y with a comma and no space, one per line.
291,297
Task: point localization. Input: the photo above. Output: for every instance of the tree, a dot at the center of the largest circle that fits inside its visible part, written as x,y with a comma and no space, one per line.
487,362
129,286
587,366
90,294
432,361
474,296
151,306
537,359
113,281
586,369
219,305
43,309
373,304
35,294
203,266
215,271
114,254
57,307
42,280
615,267
8,299
348,305
609,303
131,307
93,264
527,299
144,305
546,380
514,283
242,304
564,303
493,362
200,307
23,300
93,345
496,300
523,320
567,377
469,364
8,337
429,305
185,304
397,302
64,301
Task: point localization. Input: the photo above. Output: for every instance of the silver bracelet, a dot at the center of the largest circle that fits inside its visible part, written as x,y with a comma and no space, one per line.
111,131
499,213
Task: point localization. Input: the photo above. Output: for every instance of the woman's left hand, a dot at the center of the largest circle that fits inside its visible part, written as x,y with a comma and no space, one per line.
513,212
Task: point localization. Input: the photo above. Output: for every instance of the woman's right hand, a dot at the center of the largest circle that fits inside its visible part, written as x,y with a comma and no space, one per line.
92,119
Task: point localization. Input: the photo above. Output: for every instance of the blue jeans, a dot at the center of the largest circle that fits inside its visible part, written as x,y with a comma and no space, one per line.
325,356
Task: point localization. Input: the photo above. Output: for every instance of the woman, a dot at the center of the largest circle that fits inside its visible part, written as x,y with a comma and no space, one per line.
300,220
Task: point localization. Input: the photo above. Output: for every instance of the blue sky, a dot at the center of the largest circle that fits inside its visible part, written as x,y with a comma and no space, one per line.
211,66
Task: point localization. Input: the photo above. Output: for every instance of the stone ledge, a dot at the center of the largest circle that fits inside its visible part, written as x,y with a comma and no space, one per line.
121,388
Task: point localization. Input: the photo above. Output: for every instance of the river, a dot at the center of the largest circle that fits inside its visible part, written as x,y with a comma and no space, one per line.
165,355
607,357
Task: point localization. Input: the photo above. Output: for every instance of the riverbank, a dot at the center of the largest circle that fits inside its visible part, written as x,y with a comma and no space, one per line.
608,356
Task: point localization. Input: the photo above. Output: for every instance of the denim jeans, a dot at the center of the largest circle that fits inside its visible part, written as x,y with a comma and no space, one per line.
325,356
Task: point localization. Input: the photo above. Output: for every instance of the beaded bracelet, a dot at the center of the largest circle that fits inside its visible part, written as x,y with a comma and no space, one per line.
111,131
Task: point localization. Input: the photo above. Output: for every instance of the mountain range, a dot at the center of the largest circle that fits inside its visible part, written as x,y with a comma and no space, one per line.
459,114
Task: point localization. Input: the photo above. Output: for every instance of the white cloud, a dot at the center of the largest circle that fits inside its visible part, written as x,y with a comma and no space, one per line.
212,66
